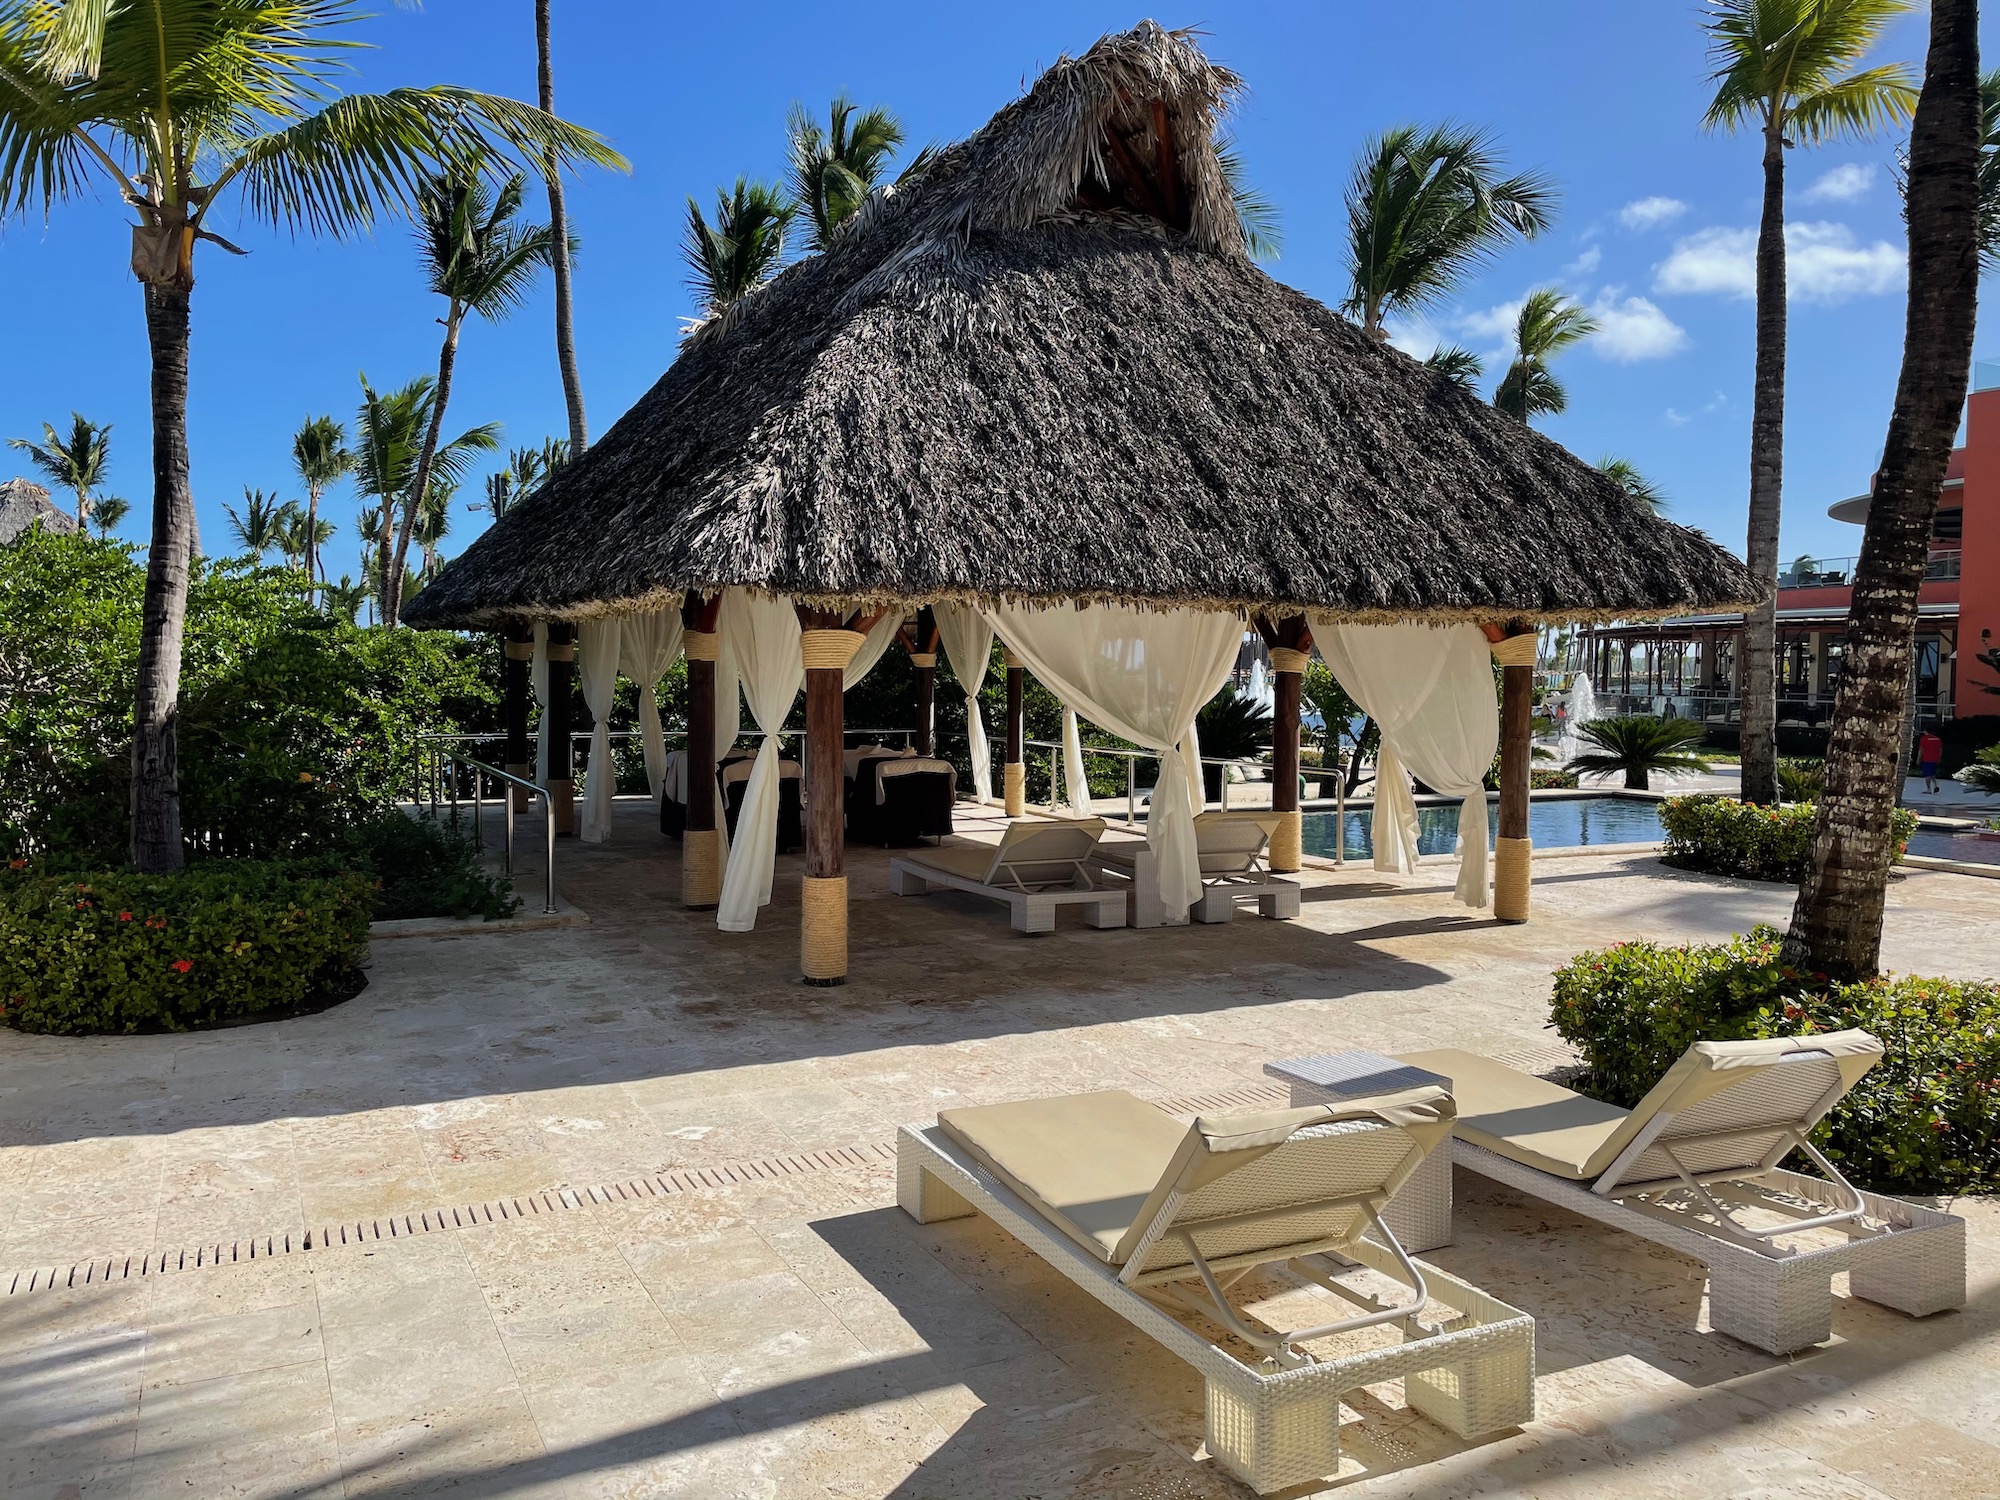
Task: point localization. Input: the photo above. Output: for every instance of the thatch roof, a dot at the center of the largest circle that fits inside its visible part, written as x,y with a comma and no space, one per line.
23,503
1047,370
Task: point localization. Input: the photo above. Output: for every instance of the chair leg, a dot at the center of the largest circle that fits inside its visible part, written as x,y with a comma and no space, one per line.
1281,905
1917,1272
1215,905
906,882
1479,1395
1031,916
1778,1306
1272,1444
922,1196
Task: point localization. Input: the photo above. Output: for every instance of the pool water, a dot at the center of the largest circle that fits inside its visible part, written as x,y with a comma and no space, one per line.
1563,823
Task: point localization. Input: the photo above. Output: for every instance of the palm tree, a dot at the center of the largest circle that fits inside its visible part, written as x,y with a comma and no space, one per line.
77,462
390,437
171,105
1424,207
1548,323
1989,171
528,469
559,240
369,527
480,259
1460,366
319,457
259,526
433,524
1625,474
742,249
107,511
1638,745
1787,68
1837,923
344,599
832,171
301,536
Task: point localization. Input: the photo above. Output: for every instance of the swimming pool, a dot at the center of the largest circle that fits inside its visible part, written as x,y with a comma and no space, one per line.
1556,823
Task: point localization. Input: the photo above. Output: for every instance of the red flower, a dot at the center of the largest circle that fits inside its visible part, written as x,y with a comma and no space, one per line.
124,916
181,965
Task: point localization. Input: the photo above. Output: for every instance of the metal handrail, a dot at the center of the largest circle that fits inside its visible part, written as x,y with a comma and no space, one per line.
480,770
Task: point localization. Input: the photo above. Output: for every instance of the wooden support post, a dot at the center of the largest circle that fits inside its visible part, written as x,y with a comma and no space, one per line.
560,715
923,656
1290,645
826,648
518,645
1515,651
1015,783
701,848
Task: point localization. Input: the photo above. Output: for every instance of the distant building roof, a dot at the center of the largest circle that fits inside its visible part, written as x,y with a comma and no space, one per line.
23,503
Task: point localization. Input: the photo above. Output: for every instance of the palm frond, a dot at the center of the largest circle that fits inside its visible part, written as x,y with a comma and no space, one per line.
319,452
1262,235
1627,476
1460,366
1786,60
742,249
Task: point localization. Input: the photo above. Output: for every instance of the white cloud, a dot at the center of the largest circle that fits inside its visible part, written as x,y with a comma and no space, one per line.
1824,263
1495,323
1586,263
1651,213
1416,338
1630,329
1711,260
1675,419
1843,184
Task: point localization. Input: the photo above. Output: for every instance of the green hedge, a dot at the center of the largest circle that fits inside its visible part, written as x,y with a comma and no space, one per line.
123,952
1926,1119
1721,836
420,867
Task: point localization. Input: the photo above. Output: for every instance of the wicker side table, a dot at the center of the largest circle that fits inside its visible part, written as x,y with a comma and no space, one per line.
1420,1213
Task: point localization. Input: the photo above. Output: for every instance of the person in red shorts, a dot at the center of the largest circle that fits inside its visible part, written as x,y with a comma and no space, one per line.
1930,755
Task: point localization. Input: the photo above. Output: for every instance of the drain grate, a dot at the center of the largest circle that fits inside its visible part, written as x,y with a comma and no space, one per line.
114,1269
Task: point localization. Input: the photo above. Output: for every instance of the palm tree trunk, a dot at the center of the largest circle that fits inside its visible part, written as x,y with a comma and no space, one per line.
1767,463
1837,923
392,582
579,436
312,537
156,797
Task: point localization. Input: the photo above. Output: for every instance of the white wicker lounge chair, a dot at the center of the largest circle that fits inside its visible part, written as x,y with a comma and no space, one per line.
1231,847
1159,1221
1695,1168
1039,864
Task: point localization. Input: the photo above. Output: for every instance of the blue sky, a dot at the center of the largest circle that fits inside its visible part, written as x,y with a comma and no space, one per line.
1607,98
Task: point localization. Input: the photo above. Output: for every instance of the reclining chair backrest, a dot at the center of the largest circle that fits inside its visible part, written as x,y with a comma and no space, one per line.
1254,1188
1732,1108
1233,843
1043,852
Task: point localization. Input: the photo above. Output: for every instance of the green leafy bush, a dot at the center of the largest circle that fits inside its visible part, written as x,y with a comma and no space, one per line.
1926,1119
123,952
1801,778
1721,836
421,867
1552,781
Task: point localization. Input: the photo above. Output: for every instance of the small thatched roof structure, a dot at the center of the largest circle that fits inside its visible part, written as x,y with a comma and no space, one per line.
1048,370
23,503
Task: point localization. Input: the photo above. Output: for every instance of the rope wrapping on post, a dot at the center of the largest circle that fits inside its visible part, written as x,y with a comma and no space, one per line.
829,650
823,929
561,651
1515,651
701,869
1016,789
699,645
1285,659
923,658
1288,844
1014,663
520,650
1511,879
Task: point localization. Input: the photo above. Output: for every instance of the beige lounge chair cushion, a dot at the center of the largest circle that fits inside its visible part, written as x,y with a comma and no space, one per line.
1103,1167
1088,1162
1226,843
967,861
1543,1125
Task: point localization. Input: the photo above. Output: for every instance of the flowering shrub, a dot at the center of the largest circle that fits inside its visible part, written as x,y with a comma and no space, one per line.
126,952
1540,780
1926,1119
1721,836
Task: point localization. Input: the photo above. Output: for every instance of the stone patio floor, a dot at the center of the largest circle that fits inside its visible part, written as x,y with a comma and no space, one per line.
761,1319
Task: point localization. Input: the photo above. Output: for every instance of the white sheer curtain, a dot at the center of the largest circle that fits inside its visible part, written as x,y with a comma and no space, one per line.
538,680
762,636
878,640
1144,675
1076,776
1430,689
646,648
597,647
968,645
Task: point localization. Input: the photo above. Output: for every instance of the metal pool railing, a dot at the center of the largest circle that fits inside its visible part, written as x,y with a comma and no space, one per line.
442,768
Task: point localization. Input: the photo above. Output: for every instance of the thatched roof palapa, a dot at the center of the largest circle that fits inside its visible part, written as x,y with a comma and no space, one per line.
1047,370
23,503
